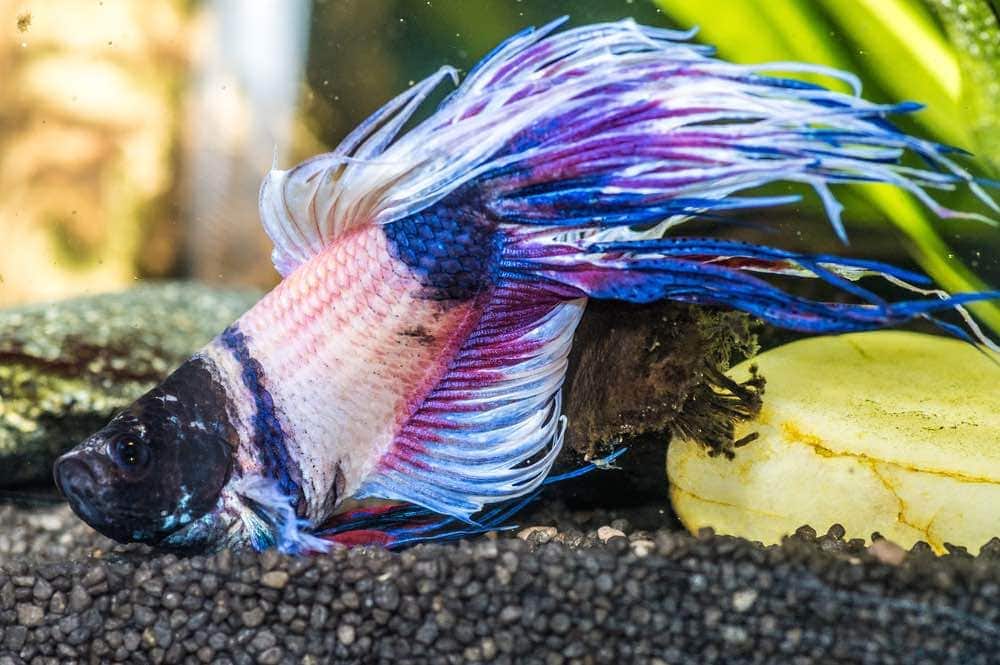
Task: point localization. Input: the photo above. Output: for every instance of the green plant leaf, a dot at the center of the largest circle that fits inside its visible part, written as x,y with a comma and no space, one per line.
974,29
900,53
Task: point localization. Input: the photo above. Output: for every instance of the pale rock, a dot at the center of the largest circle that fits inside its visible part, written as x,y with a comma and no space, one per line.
889,432
642,547
606,533
540,534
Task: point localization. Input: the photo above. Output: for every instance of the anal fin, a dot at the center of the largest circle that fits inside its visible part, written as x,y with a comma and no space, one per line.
396,524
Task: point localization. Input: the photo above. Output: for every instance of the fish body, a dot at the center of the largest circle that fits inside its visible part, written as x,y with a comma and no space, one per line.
413,355
395,338
392,346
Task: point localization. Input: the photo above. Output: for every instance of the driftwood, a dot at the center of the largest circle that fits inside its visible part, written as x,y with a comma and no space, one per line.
648,369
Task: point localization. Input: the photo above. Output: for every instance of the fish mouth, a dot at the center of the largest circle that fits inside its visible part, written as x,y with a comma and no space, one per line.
84,484
79,484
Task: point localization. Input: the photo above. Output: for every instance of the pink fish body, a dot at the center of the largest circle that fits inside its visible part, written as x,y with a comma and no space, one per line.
391,348
415,351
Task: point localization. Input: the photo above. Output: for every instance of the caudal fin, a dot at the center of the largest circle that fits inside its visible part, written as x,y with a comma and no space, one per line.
717,272
627,132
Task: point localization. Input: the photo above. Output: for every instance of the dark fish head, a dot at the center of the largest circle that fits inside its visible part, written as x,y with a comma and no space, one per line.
156,472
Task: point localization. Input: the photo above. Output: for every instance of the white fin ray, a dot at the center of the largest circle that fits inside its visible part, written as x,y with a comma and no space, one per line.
590,74
303,209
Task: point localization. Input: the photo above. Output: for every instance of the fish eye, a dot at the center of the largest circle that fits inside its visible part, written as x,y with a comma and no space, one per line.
129,453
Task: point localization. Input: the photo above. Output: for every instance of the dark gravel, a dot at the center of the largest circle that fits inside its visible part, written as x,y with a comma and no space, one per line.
542,595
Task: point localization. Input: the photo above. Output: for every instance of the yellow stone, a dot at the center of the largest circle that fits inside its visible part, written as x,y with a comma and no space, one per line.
889,432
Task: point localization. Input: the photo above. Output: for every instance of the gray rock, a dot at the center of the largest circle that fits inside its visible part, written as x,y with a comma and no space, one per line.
67,367
30,615
271,656
79,599
253,618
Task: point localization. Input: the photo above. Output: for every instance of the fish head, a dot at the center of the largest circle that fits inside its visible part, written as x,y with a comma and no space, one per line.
156,473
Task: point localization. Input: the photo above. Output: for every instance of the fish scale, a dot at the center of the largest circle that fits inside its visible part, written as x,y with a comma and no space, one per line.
339,328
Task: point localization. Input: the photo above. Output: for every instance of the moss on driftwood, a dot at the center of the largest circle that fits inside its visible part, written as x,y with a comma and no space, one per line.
639,369
67,367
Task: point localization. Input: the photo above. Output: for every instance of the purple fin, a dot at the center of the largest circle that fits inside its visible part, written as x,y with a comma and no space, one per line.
491,429
718,272
605,125
617,132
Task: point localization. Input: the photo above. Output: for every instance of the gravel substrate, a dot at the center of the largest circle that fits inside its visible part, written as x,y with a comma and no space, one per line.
595,590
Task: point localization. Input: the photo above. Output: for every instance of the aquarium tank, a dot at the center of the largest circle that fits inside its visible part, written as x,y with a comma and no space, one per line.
499,331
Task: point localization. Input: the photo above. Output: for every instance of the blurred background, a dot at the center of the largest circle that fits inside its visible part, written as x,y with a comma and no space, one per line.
134,135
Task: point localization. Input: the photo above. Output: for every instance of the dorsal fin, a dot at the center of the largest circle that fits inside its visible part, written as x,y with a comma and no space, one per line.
305,208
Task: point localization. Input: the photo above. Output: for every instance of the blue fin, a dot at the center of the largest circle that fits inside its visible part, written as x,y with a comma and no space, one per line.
403,525
708,271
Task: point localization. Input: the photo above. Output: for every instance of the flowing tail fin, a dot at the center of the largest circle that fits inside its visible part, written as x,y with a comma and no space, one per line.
590,146
717,272
656,133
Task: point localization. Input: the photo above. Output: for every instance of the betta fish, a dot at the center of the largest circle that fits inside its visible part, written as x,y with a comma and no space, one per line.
402,382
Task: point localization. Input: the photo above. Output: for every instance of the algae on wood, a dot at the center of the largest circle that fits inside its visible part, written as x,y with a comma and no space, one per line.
641,369
67,367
